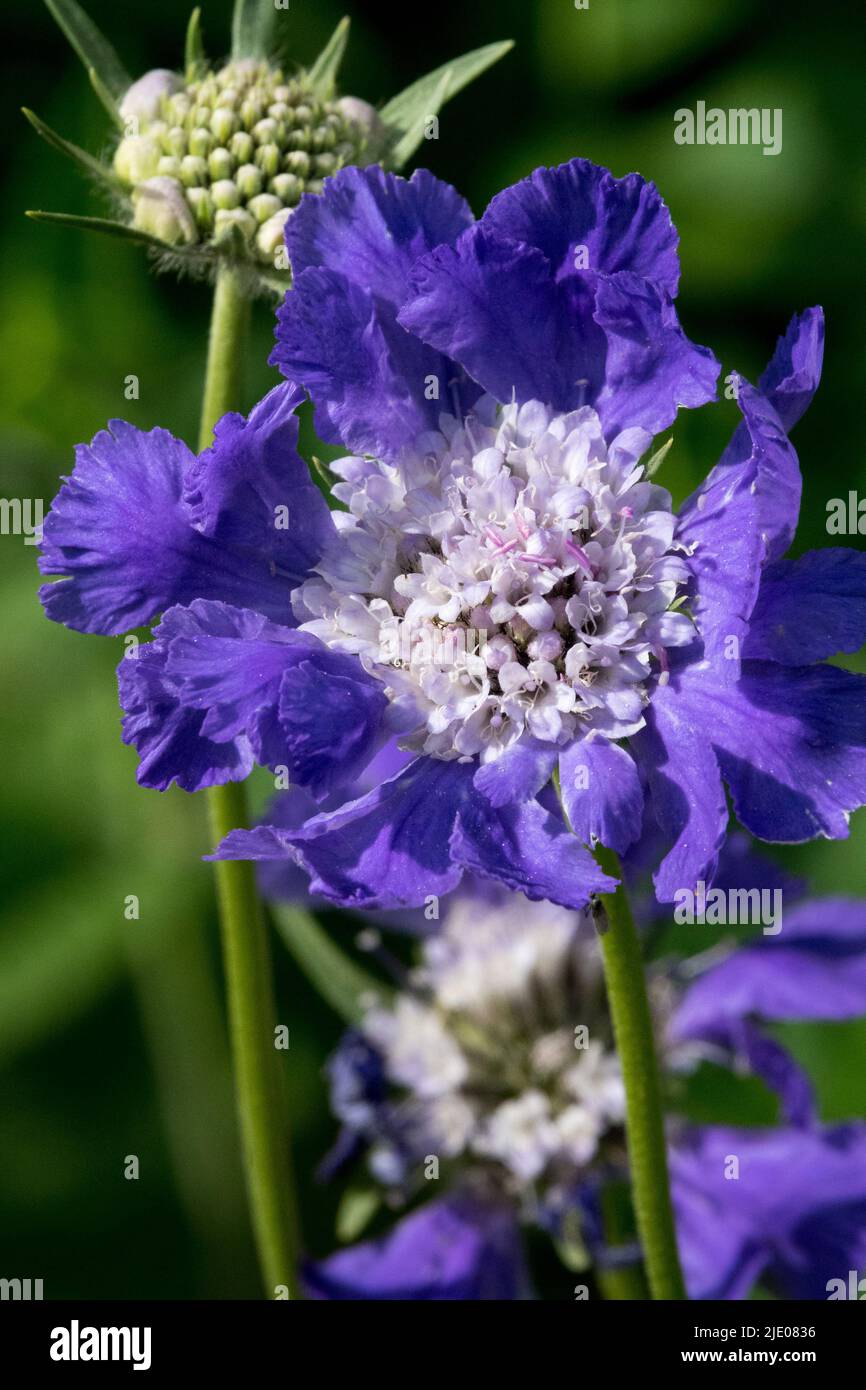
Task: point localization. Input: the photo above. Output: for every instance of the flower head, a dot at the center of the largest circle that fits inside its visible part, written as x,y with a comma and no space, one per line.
210,161
507,595
476,1066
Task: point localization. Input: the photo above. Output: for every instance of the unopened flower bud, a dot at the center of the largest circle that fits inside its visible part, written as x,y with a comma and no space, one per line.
270,236
202,206
288,188
161,210
265,205
267,157
201,142
223,124
242,146
143,100
249,180
298,162
169,166
229,220
220,164
136,158
368,126
225,194
193,171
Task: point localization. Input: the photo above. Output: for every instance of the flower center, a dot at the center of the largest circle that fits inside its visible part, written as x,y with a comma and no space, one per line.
510,575
501,1054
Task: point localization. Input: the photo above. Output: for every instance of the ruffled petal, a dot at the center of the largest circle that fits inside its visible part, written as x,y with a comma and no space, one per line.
809,608
376,388
790,741
450,1249
372,226
527,849
142,525
742,515
601,793
253,495
612,342
621,224
240,674
212,672
676,758
388,849
791,1181
332,714
792,376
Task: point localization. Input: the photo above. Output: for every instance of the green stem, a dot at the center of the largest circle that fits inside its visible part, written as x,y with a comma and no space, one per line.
632,1025
259,1082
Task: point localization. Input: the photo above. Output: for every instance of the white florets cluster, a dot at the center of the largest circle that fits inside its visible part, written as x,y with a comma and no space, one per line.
500,1056
511,574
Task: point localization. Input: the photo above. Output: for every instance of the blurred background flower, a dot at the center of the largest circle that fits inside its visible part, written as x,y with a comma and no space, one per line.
111,1038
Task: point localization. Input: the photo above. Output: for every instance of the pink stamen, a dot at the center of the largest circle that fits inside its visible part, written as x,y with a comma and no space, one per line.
522,527
580,556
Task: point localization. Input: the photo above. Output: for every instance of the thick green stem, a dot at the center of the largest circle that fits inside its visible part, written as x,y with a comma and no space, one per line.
259,1082
632,1025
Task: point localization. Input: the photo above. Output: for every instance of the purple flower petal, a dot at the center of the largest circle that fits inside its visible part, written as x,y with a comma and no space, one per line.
731,1229
601,793
622,223
337,333
253,495
675,756
742,514
814,969
388,849
517,774
792,376
450,1249
527,849
809,608
791,744
142,525
611,342
332,714
270,688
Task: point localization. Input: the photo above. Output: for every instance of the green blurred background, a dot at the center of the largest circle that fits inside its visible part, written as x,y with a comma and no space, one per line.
111,1033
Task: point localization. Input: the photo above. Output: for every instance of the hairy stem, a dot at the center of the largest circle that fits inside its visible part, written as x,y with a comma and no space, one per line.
259,1083
632,1025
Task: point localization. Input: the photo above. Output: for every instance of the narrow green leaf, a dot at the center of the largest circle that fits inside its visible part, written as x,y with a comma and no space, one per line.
105,97
254,27
92,48
409,109
358,1206
323,73
84,160
100,224
412,136
337,978
194,60
658,458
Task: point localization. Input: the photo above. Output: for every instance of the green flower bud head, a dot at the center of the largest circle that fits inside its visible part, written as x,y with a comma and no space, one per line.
209,164
250,138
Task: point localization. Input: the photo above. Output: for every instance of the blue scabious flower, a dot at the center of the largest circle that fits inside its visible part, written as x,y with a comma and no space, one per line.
508,594
479,1065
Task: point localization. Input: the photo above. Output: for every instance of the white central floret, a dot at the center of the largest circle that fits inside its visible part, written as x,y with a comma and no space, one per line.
510,574
501,1051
